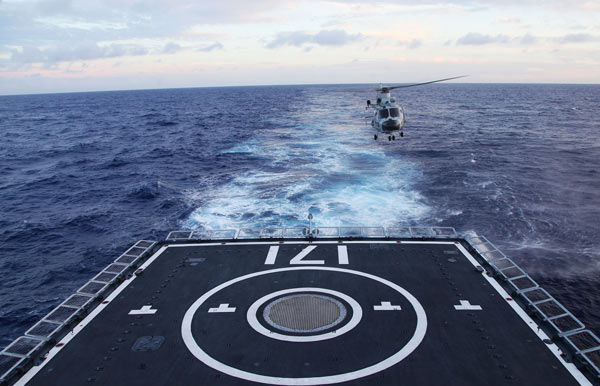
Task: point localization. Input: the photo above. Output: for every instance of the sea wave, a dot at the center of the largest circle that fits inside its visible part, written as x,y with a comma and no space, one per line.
85,175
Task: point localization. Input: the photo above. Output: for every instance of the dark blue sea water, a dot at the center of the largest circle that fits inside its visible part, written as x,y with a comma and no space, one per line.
83,176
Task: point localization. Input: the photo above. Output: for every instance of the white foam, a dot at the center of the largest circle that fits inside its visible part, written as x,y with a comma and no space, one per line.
342,180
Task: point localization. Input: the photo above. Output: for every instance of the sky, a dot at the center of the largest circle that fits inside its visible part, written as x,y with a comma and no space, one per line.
82,45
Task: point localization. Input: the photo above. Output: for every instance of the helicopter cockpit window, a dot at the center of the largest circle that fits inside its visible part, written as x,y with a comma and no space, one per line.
394,112
383,113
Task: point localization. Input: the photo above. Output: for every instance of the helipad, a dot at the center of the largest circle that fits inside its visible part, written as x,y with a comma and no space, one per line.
300,312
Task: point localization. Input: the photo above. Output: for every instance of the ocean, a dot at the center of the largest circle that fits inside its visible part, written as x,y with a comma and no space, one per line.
85,175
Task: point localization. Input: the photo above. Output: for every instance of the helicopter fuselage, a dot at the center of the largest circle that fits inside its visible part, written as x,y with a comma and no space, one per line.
388,117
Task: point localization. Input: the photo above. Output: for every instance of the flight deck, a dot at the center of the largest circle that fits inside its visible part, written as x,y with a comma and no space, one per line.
295,311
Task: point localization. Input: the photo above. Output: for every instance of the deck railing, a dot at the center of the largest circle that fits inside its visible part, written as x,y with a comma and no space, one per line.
45,332
584,342
317,233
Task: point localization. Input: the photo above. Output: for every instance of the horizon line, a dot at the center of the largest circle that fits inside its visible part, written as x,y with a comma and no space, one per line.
296,85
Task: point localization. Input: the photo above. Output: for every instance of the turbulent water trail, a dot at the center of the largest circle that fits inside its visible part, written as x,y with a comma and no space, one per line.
315,162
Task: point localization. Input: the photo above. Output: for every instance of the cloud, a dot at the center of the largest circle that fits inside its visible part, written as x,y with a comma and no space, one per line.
577,38
24,22
415,43
296,38
411,44
67,53
510,20
171,48
477,39
323,37
334,37
51,7
212,47
528,39
477,5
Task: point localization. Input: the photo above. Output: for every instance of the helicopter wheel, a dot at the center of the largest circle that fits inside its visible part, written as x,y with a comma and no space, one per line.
375,137
389,138
401,134
393,137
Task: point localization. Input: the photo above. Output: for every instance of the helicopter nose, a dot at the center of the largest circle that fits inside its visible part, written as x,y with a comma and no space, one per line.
391,124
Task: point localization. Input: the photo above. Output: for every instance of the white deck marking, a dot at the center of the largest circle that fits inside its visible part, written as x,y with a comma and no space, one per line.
413,343
386,306
579,377
323,242
466,306
342,254
145,310
272,255
223,307
255,324
298,258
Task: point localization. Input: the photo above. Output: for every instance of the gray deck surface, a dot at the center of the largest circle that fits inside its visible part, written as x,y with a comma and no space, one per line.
490,346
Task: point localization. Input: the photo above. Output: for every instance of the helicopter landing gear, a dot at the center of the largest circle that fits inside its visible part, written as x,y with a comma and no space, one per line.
375,137
389,138
401,134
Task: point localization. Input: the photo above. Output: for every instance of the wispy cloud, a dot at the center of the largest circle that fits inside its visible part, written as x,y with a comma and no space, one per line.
211,47
82,51
324,38
53,7
296,38
335,38
510,20
412,44
577,38
528,39
477,39
21,22
171,48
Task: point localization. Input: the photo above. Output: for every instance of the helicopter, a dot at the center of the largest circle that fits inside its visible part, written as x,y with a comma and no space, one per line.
388,117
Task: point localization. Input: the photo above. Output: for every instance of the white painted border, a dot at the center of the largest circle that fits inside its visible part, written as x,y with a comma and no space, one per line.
214,244
571,368
255,324
413,343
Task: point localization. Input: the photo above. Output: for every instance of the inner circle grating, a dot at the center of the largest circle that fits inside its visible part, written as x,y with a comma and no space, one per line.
304,313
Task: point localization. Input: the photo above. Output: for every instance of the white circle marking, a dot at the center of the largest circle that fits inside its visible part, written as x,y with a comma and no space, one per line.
255,324
413,343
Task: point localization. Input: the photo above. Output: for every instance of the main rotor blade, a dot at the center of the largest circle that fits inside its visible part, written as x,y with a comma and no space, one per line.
419,84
